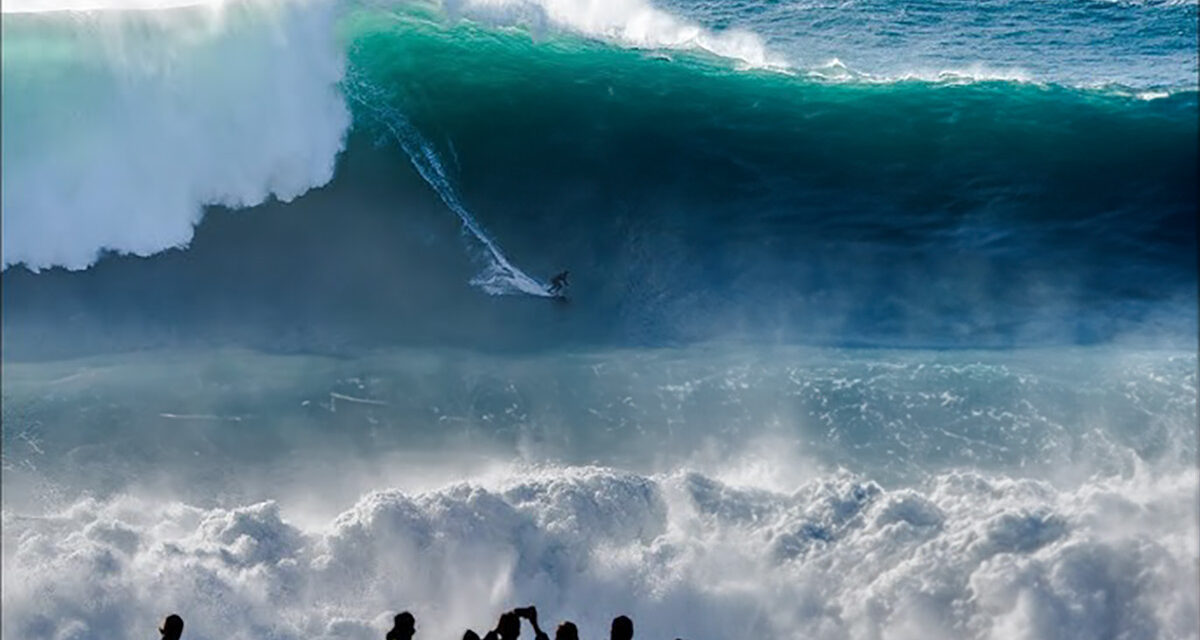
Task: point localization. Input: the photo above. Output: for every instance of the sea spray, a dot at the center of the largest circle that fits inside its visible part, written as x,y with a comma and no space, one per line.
120,126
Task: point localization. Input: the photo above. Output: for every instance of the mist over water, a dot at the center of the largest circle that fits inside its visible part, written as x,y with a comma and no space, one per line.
872,332
879,487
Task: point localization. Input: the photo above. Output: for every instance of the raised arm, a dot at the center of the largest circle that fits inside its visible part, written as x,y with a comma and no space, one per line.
530,614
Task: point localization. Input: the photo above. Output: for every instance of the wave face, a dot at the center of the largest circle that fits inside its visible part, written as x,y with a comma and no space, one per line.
642,167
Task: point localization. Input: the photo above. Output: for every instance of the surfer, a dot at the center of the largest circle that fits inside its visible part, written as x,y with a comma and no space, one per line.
558,283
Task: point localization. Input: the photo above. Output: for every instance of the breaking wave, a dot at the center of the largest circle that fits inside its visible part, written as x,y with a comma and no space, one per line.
212,103
120,125
237,103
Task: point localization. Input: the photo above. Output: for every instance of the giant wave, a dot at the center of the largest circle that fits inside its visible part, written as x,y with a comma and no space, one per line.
553,148
249,100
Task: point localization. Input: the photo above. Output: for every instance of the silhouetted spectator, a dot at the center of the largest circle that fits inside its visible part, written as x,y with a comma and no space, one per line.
507,628
566,631
530,614
404,627
470,635
172,628
622,628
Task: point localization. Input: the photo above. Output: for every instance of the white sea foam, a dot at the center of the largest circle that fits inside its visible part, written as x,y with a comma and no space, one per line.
963,556
120,126
968,74
1043,495
51,6
636,23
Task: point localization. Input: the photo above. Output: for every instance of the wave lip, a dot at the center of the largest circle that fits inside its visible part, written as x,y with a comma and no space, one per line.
234,102
635,23
53,6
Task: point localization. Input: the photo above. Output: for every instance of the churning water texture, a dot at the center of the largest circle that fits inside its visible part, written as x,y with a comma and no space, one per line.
881,320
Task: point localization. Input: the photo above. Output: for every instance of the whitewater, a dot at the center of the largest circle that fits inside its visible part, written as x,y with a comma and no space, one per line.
799,493
882,319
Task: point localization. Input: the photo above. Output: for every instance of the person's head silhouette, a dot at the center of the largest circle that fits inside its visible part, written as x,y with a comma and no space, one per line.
509,626
566,631
622,628
404,627
470,635
172,627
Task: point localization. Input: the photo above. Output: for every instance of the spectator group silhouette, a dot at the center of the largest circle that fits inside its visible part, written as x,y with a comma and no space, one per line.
508,627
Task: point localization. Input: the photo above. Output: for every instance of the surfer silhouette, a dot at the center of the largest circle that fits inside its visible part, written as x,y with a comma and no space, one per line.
558,283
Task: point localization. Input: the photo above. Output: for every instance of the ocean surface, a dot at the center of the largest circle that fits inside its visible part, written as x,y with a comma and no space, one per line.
882,317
